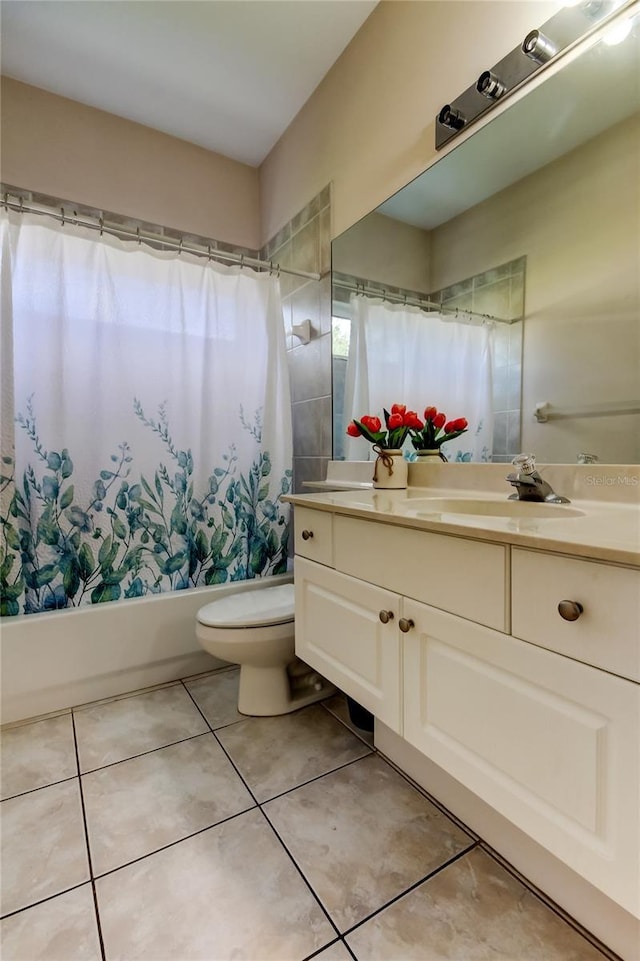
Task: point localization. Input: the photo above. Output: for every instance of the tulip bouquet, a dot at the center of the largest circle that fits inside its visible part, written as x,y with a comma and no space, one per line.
436,430
398,423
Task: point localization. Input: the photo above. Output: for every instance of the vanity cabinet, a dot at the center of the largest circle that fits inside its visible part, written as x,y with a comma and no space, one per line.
543,726
340,633
548,742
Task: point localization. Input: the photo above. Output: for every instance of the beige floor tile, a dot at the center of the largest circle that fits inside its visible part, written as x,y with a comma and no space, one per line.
340,709
217,697
62,929
336,952
228,893
121,729
140,805
37,754
43,845
472,909
275,754
362,836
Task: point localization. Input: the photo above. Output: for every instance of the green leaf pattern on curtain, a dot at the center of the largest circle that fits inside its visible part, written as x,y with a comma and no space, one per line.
137,535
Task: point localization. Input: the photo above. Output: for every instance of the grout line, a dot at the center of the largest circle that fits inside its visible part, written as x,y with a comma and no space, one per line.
549,903
436,803
172,844
40,787
318,777
412,887
153,750
301,873
262,811
349,727
86,837
218,741
49,897
331,944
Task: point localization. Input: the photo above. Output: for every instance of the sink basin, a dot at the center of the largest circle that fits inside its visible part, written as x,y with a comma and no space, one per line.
423,506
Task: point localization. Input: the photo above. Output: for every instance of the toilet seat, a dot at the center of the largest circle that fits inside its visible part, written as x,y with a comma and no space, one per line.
257,608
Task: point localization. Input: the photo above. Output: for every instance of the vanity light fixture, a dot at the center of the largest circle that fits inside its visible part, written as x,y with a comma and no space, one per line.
489,86
538,47
572,23
451,118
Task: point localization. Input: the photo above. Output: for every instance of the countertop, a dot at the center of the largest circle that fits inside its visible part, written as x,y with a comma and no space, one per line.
605,531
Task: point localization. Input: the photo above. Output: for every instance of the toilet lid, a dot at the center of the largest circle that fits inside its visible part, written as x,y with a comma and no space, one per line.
272,605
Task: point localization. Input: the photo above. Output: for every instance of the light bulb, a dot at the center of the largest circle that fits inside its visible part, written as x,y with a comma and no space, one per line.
617,33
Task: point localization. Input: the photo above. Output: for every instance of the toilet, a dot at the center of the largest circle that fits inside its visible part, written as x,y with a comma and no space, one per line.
255,629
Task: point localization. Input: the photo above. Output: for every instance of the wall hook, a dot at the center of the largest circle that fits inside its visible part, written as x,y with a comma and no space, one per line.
302,331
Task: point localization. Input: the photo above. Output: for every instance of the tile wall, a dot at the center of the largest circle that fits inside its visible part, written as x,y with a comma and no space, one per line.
305,244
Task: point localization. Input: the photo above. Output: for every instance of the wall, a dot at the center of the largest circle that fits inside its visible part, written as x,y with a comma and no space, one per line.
369,126
387,250
55,146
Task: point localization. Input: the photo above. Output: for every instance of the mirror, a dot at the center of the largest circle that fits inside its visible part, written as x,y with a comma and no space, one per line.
534,220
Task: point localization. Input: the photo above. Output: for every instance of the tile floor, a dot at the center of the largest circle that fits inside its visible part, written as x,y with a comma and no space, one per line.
165,825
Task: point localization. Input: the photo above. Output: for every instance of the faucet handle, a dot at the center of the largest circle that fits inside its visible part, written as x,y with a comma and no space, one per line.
525,463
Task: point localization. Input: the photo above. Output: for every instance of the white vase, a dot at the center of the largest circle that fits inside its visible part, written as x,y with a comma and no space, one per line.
391,470
425,456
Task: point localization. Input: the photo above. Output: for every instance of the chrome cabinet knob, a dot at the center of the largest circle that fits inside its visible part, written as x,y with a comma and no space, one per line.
307,535
570,610
405,624
385,616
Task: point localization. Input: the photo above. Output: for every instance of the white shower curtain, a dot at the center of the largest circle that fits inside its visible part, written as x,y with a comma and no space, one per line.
151,417
404,355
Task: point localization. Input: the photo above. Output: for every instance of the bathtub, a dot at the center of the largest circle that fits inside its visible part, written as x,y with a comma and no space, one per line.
50,662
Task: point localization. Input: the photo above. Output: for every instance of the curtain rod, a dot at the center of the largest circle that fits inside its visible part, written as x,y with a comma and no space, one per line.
413,301
211,253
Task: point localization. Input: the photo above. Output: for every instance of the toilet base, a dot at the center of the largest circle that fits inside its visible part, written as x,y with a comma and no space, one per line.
268,691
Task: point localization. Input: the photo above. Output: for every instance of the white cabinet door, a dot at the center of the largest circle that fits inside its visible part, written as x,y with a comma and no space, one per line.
552,744
340,634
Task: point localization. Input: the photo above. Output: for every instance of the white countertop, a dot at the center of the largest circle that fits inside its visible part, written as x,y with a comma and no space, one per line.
607,531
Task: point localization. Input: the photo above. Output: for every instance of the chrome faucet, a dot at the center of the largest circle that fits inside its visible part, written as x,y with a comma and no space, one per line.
530,486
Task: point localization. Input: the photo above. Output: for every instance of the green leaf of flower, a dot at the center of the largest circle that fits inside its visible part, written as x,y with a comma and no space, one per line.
45,575
49,487
173,563
105,550
71,579
86,561
105,592
67,497
119,529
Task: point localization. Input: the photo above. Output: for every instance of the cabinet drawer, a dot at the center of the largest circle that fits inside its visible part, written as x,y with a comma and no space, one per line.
316,525
461,576
606,634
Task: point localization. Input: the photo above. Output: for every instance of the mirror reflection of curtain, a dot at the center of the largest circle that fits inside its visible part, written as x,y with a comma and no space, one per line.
404,355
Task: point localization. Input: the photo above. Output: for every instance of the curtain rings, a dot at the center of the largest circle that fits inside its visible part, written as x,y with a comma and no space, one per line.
101,222
62,220
241,261
138,236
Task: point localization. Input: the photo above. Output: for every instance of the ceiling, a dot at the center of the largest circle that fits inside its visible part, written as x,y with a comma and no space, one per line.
229,75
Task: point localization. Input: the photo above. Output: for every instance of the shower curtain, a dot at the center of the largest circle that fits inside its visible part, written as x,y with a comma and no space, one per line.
146,427
404,355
